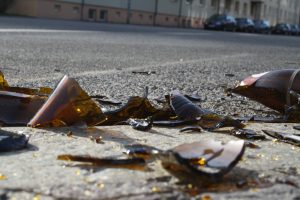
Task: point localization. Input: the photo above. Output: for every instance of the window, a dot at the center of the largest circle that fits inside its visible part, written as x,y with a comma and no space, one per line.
265,10
103,15
141,16
245,9
117,13
57,8
213,3
92,14
150,17
237,6
167,19
75,10
202,2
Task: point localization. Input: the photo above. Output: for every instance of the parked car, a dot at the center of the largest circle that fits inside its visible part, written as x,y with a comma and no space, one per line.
244,25
262,26
220,22
282,28
295,30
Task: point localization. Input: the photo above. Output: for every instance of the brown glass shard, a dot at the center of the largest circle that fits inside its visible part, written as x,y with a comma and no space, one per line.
208,158
18,108
129,163
172,123
247,134
193,97
67,105
188,111
43,91
105,100
284,137
272,89
3,82
142,151
136,107
184,108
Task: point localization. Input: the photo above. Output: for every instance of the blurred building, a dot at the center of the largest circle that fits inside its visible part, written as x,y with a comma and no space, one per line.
181,13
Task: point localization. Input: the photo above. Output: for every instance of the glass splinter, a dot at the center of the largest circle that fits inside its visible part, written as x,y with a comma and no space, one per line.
68,105
17,108
284,137
12,142
209,158
206,158
188,111
141,124
129,163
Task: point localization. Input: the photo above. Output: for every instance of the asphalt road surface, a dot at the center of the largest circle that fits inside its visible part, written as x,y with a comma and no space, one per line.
102,57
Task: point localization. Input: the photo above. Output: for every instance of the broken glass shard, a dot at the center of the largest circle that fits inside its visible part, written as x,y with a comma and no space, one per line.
188,111
12,142
247,134
141,124
128,163
284,137
273,89
297,127
208,157
68,105
191,129
18,108
3,82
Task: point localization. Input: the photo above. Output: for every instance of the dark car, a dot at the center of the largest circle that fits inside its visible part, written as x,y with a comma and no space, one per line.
262,26
220,22
244,25
282,28
295,30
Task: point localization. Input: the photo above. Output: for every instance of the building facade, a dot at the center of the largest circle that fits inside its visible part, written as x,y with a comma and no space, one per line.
180,13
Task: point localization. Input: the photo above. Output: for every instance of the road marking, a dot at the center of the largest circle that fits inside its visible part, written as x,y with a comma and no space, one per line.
58,76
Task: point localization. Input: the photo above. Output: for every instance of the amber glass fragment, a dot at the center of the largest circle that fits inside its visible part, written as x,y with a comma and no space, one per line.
43,91
188,111
17,109
270,88
209,158
184,108
3,82
67,105
130,163
134,108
